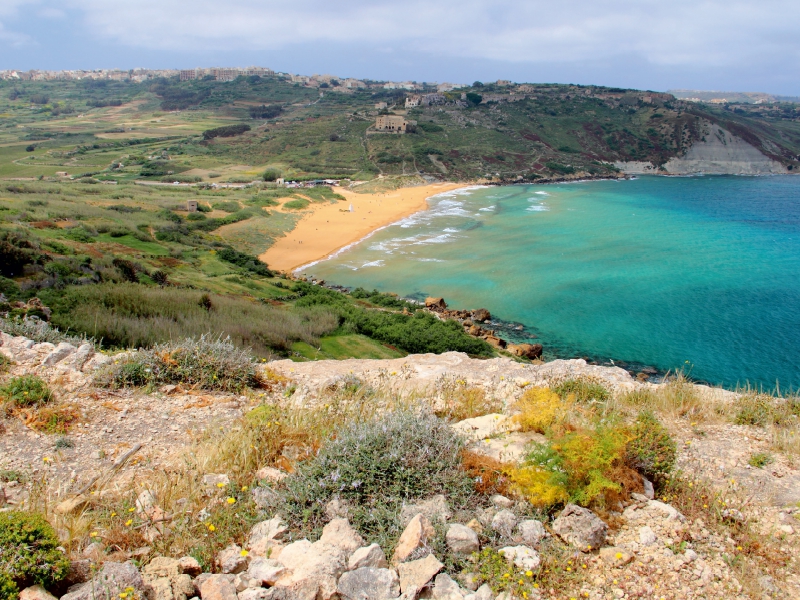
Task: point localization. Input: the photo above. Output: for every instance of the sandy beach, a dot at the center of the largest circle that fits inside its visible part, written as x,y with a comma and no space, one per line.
330,227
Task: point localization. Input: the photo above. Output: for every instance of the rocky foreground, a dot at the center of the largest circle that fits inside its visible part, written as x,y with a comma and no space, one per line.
648,550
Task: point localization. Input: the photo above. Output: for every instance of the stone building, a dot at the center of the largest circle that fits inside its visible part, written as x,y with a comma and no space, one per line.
191,205
391,124
412,101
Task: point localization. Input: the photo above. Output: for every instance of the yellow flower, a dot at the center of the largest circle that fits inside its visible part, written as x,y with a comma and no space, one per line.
569,568
244,553
528,573
93,534
618,556
220,485
123,595
113,514
129,522
231,500
506,575
244,488
212,528
131,509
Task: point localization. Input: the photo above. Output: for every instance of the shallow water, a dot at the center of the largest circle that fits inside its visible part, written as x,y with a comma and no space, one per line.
700,273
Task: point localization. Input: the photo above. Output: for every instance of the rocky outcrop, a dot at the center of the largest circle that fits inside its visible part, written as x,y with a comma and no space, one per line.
580,528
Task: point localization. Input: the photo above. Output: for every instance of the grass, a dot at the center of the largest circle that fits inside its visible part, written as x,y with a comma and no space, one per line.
340,347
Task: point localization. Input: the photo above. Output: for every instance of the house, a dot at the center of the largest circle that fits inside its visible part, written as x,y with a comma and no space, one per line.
433,99
412,101
191,205
391,124
503,82
381,105
188,74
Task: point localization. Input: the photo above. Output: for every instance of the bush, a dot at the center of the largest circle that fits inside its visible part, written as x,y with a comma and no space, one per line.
271,175
245,261
203,362
28,550
299,204
538,409
762,410
374,467
652,451
8,589
759,460
226,131
265,111
39,331
26,391
582,390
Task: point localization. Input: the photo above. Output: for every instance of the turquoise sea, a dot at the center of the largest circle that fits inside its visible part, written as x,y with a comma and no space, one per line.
699,273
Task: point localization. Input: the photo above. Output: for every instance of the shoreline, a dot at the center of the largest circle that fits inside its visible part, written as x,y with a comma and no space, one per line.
328,229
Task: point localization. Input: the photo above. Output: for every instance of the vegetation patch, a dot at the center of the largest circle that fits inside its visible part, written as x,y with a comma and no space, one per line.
26,391
29,551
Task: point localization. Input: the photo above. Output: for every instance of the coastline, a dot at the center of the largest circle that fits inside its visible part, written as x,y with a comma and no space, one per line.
329,228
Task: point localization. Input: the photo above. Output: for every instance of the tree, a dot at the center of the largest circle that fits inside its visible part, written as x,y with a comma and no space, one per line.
474,98
271,175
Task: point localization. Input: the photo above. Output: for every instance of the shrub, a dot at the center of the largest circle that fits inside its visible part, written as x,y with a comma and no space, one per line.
538,409
39,331
246,261
762,410
465,402
26,391
204,362
298,204
225,131
374,467
759,460
29,550
8,589
652,451
493,569
582,390
228,207
538,486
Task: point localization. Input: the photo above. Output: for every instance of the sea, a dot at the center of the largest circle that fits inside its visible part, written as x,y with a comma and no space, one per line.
694,274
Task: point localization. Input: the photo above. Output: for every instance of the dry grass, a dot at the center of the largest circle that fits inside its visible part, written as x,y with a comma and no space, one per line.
461,401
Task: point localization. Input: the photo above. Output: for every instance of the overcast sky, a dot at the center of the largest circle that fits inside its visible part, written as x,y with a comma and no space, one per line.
736,45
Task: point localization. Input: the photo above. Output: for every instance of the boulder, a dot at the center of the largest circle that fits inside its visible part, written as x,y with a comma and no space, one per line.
521,557
615,557
368,583
444,588
368,556
312,570
271,474
435,303
481,315
462,540
435,509
531,531
167,580
504,523
36,592
415,537
501,501
414,575
77,360
62,351
189,566
217,587
265,570
231,560
580,528
80,571
483,593
529,351
340,534
256,594
112,579
495,341
265,535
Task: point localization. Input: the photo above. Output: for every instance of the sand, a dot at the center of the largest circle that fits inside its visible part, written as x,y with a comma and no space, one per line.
330,227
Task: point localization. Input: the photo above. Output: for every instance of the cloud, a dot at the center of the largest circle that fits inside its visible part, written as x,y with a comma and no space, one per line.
710,32
9,9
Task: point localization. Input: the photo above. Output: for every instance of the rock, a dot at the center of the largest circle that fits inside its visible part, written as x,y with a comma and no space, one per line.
313,569
649,490
80,571
337,509
529,351
72,505
481,315
415,536
218,587
166,578
112,579
94,551
416,573
501,501
231,561
213,481
470,581
78,360
580,528
495,341
732,514
671,512
435,509
647,536
690,555
368,583
504,523
256,594
435,303
615,557
368,556
483,593
264,497
339,533
265,570
145,502
521,557
476,525
62,351
271,474
265,535
444,588
36,592
189,566
532,532
480,428
462,540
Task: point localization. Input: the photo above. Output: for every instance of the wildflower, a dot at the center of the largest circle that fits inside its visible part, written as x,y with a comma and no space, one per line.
506,575
231,500
618,556
129,522
244,553
220,485
212,528
244,488
528,573
113,514
131,509
93,534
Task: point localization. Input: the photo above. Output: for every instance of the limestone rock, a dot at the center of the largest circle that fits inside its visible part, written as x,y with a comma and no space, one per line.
215,481
483,593
415,536
521,557
444,588
529,351
313,570
218,587
265,570
479,428
271,474
337,509
414,575
36,592
647,537
231,561
481,315
462,540
340,533
435,509
435,303
62,351
256,594
368,583
189,566
580,528
80,571
112,579
615,557
501,501
504,523
167,580
265,535
368,556
531,531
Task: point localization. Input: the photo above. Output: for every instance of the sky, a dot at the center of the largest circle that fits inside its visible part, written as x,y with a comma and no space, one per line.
729,45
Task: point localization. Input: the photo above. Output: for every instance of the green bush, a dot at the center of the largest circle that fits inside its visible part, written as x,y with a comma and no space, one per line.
8,589
762,410
652,451
271,175
39,331
759,460
28,551
374,467
25,391
583,390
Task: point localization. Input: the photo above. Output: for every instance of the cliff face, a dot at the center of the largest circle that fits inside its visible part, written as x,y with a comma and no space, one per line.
717,152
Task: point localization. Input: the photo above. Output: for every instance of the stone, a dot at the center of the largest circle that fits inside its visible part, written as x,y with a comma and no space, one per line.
532,532
482,593
504,522
435,303
62,351
189,566
649,490
36,592
670,511
337,509
529,351
312,569
145,502
79,571
480,428
580,528
414,537
112,579
481,315
341,534
218,587
414,575
94,551
615,557
266,571
231,561
213,481
72,505
265,535
501,501
271,474
462,540
368,556
521,557
167,580
444,588
255,594
435,509
369,583
647,536
78,360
